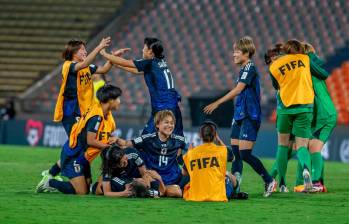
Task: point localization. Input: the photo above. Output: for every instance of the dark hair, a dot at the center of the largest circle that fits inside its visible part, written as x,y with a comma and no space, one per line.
108,92
208,131
111,157
293,47
156,46
273,52
71,48
139,190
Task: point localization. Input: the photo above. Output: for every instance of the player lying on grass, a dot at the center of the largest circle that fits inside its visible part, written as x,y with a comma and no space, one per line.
88,137
76,93
247,113
124,175
207,167
160,151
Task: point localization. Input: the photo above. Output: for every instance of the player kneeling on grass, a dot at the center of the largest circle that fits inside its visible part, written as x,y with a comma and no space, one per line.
160,151
124,175
88,137
207,167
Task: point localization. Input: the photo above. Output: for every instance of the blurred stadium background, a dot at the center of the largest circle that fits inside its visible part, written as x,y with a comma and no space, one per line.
198,37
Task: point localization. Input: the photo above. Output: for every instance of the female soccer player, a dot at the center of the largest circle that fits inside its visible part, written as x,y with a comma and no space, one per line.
123,171
158,78
91,133
76,93
295,106
206,165
324,121
160,151
247,113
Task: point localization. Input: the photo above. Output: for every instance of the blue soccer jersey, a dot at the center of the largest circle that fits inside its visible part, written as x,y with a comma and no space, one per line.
161,156
248,101
160,83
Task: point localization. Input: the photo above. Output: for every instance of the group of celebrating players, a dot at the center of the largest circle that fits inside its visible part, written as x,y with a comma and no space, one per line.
159,163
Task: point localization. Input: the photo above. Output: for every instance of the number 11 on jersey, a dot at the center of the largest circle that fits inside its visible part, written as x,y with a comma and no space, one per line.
169,79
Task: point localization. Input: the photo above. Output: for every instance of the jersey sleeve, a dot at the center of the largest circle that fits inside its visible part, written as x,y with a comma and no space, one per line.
93,68
143,65
248,74
317,71
72,69
138,142
134,155
314,57
93,124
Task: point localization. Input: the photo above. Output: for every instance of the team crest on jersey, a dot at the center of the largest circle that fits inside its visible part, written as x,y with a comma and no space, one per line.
34,130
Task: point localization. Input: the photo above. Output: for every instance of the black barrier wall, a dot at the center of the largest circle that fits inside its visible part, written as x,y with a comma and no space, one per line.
49,134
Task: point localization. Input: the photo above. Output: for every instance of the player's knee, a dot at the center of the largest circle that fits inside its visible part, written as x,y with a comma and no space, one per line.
173,191
81,191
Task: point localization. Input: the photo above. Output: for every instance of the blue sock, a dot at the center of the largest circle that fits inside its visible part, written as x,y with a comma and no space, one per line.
55,170
256,164
63,186
237,163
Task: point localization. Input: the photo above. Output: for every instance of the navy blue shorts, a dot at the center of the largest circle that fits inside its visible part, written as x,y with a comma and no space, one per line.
75,166
178,130
71,114
245,129
68,123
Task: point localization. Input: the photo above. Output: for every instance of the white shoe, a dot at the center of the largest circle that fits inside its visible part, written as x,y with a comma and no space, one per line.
43,186
283,189
308,185
269,188
45,173
238,179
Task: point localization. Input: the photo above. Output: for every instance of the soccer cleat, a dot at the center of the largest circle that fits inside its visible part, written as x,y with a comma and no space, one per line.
283,189
45,173
269,188
308,185
319,187
238,179
43,186
275,188
240,196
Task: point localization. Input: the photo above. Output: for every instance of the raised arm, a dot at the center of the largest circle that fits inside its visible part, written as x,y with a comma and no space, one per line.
117,60
105,68
105,42
131,70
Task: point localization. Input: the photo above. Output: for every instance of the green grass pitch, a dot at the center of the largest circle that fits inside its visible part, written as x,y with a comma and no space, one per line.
20,169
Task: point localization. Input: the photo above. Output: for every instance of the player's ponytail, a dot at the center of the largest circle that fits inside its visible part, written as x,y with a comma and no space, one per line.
208,131
156,46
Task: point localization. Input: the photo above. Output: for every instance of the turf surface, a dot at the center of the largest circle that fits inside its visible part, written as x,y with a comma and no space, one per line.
20,169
